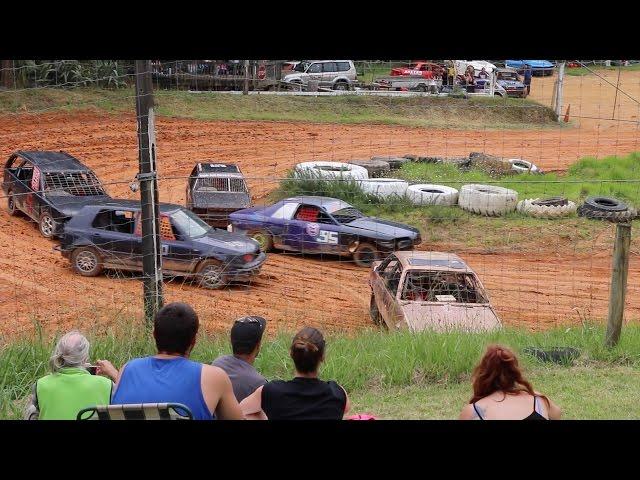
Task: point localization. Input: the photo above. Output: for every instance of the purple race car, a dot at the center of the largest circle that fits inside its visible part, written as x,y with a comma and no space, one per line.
323,225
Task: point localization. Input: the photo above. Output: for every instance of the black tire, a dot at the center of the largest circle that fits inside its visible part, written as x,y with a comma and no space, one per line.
616,217
552,201
606,204
264,239
421,88
86,261
47,225
11,205
211,275
365,255
375,313
375,168
341,85
394,162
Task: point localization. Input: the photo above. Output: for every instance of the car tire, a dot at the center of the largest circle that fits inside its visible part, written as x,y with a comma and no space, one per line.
264,239
384,188
365,255
11,205
487,200
550,208
522,166
428,194
330,170
375,168
86,261
394,162
47,225
607,208
341,85
210,275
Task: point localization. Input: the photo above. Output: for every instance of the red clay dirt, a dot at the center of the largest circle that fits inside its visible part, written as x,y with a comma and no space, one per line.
547,287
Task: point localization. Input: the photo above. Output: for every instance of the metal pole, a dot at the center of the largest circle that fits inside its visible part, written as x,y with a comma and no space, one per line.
151,248
245,90
559,89
618,283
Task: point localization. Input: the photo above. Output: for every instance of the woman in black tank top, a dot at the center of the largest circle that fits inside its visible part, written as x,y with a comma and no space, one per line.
500,390
305,397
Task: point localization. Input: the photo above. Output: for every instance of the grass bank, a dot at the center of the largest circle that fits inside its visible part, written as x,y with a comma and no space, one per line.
349,109
581,71
397,375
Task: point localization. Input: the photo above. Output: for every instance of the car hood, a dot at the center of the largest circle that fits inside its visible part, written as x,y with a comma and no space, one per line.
445,316
384,228
511,84
223,241
70,205
220,200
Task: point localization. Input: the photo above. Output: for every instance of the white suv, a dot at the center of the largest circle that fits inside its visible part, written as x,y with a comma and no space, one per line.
335,74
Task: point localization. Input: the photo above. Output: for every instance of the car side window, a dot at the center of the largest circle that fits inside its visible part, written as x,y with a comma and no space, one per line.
168,231
312,213
343,66
122,221
392,275
25,171
285,212
315,68
329,67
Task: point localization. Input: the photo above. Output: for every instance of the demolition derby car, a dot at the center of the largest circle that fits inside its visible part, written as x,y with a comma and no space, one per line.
49,187
429,291
313,224
108,234
214,190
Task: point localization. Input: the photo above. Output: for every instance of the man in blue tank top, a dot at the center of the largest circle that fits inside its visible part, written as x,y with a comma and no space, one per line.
170,376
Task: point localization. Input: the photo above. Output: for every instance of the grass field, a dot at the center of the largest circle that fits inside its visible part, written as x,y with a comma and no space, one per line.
581,71
396,375
348,109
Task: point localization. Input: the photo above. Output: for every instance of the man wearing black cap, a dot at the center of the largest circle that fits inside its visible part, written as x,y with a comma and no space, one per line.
246,337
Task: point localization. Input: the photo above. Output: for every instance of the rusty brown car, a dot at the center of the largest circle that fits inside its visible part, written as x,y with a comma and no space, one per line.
429,291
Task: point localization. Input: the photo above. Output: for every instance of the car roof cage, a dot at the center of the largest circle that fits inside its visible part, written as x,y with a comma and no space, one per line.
75,183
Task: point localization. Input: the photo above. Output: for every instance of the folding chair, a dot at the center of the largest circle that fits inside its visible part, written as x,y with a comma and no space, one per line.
137,411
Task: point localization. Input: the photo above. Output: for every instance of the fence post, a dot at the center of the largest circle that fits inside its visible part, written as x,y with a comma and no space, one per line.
558,91
618,283
245,90
151,253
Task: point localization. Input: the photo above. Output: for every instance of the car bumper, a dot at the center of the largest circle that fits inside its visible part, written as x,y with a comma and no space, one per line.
246,271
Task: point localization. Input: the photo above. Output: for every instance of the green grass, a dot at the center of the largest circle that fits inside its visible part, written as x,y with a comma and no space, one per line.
349,109
581,71
376,367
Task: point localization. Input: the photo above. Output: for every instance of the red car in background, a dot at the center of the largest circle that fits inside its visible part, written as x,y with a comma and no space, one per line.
419,69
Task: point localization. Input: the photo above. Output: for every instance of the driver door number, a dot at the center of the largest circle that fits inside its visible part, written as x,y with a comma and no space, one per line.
325,236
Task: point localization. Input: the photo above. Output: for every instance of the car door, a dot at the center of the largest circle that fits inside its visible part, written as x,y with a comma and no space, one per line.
112,232
26,178
312,230
314,72
329,73
178,250
386,289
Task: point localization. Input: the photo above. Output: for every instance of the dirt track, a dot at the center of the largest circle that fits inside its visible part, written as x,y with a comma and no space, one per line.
541,289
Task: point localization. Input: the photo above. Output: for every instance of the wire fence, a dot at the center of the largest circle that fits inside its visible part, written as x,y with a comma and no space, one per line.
401,185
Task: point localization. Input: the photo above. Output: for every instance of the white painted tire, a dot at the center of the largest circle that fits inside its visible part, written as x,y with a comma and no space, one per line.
384,187
545,211
487,199
428,194
522,166
330,170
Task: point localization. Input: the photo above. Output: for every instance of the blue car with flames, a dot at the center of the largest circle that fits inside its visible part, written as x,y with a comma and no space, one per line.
313,224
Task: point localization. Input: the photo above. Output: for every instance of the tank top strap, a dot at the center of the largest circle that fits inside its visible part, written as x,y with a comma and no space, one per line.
477,412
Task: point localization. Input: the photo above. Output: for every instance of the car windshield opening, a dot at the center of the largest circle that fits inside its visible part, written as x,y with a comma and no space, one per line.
189,224
72,183
220,184
442,286
347,215
301,67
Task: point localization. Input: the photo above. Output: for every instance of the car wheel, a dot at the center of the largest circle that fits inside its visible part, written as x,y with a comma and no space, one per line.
86,261
341,86
11,205
365,255
47,225
264,239
421,88
211,275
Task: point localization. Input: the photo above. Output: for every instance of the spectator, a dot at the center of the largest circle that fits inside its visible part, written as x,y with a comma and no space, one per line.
451,73
70,388
169,376
246,338
306,397
527,78
483,73
500,392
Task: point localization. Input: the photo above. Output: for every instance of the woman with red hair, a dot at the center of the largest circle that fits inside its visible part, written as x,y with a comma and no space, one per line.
500,392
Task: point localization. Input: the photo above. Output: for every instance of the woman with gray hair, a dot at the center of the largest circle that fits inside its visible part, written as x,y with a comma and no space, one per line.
73,385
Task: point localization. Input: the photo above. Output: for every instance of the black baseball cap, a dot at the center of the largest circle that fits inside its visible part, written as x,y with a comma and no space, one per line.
247,331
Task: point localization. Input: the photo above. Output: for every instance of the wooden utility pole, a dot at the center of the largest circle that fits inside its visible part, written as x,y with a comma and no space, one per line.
151,247
245,90
619,274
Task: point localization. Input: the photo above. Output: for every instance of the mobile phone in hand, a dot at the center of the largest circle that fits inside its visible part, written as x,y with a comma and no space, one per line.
92,369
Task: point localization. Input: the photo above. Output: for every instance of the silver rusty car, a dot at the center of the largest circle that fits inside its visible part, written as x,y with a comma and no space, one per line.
429,291
334,74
